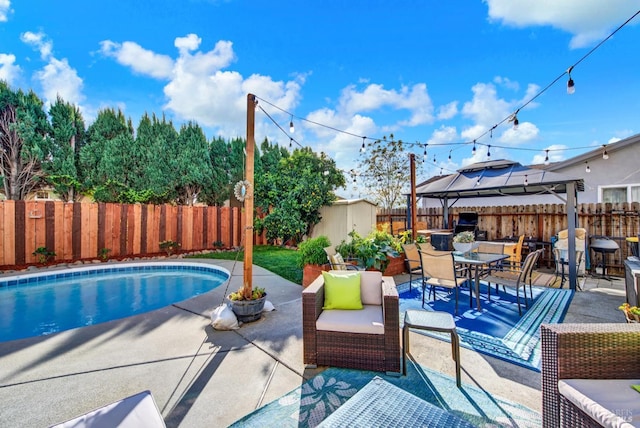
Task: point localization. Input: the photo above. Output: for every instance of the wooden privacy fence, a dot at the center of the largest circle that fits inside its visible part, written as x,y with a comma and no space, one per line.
540,222
81,231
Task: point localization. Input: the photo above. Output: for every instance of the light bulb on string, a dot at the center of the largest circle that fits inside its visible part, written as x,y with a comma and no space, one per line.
546,158
489,151
515,120
605,155
292,129
363,148
424,155
290,142
450,154
526,180
440,171
434,158
588,168
473,151
571,87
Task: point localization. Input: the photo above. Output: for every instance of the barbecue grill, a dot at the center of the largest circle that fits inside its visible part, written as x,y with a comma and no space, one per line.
604,246
467,221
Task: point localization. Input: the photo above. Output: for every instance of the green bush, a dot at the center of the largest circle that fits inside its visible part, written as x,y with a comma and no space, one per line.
312,251
372,251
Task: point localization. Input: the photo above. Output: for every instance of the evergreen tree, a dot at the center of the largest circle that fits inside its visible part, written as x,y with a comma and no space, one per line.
68,134
24,141
193,164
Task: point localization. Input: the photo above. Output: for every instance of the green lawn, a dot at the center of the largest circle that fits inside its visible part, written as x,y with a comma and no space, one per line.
281,261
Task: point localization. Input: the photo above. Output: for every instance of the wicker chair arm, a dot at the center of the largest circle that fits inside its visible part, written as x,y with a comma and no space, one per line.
391,314
585,351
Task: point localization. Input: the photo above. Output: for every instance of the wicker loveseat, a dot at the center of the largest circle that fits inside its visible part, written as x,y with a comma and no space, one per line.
353,339
573,356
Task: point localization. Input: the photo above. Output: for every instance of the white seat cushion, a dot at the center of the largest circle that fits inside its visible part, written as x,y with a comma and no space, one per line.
367,320
610,402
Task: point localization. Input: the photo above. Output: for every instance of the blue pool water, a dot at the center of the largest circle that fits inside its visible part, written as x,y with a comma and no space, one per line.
36,305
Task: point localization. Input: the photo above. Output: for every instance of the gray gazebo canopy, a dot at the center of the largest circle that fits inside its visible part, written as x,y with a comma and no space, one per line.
508,178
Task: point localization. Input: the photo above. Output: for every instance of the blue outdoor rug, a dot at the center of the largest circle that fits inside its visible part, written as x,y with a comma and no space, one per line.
497,330
317,398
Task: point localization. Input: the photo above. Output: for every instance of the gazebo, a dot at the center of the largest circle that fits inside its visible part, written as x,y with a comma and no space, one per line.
502,178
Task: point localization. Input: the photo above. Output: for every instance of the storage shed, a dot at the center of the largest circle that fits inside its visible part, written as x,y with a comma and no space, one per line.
344,216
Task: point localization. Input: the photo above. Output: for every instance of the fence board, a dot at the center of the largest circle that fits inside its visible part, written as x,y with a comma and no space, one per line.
8,232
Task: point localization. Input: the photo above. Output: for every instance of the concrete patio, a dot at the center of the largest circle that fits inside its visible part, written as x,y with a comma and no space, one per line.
201,377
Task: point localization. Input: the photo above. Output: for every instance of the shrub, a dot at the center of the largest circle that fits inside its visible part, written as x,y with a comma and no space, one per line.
312,252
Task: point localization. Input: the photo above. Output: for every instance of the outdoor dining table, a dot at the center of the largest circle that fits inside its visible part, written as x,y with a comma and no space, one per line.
475,262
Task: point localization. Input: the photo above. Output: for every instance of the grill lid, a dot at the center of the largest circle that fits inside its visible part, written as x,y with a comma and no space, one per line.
604,244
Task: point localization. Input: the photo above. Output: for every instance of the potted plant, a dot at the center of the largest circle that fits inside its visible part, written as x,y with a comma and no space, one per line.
248,309
464,241
313,258
375,251
631,313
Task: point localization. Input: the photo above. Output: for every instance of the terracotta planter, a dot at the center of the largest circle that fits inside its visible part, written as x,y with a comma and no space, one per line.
395,266
311,272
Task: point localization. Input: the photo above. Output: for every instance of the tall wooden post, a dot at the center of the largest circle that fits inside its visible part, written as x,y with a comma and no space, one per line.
414,208
248,202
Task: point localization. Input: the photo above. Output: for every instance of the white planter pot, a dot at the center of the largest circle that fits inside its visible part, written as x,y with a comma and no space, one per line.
464,247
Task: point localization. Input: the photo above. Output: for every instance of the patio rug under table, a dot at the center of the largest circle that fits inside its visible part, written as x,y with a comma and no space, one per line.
317,398
497,330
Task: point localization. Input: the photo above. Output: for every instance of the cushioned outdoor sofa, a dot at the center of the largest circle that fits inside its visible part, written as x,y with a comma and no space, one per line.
587,374
367,338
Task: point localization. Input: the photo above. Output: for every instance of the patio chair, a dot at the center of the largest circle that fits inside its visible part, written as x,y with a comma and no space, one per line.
517,278
137,411
366,339
337,261
516,257
412,261
587,370
490,248
439,270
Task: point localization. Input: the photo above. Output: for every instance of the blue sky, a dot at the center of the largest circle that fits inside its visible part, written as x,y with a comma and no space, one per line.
441,73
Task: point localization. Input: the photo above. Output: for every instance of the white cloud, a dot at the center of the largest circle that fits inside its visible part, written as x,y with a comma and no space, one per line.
57,77
198,86
443,135
374,97
5,8
141,60
9,72
587,20
448,111
39,42
556,154
486,109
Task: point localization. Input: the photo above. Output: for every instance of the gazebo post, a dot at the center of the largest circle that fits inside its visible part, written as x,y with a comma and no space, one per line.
572,216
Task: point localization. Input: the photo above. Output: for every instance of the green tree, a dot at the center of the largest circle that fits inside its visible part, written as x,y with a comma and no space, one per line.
105,155
384,171
24,141
193,164
68,136
293,192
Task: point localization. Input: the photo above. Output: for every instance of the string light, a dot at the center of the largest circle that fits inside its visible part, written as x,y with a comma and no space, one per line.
526,180
588,168
440,170
424,156
434,158
512,118
546,158
450,154
489,151
571,88
290,142
292,129
605,155
473,151
363,148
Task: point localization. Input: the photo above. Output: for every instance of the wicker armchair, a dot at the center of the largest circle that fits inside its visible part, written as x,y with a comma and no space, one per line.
378,352
584,351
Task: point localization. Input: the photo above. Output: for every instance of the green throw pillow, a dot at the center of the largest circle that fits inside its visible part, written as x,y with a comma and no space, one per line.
342,291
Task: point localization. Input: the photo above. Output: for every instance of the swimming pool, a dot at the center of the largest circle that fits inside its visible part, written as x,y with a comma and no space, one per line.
48,302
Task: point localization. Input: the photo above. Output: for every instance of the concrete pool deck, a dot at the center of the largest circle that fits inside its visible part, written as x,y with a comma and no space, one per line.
202,377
